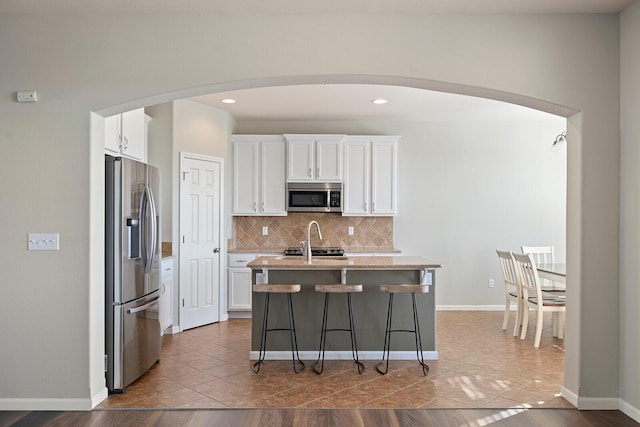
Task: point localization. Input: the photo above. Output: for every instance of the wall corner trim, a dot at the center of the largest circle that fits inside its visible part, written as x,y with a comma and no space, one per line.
630,410
598,403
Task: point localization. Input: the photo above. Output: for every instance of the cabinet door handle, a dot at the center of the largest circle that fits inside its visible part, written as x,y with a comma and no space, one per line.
309,172
263,206
126,143
255,207
319,173
373,206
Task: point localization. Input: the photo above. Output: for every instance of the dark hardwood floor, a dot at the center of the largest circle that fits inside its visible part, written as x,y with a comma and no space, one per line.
320,417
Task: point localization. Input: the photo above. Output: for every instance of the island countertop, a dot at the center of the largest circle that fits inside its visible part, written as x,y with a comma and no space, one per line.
339,263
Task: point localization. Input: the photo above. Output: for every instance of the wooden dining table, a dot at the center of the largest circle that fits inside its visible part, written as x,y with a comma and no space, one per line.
556,275
556,272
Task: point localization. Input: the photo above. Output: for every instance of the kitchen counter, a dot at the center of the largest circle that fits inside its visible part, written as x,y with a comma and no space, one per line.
370,306
347,250
347,262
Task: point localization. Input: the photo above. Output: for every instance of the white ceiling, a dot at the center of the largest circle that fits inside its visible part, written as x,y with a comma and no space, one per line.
318,6
342,102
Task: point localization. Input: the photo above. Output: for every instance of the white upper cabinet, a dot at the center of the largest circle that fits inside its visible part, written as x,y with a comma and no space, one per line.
370,177
126,134
259,175
314,158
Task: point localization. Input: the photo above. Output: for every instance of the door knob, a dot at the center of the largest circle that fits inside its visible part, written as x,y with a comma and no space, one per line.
216,250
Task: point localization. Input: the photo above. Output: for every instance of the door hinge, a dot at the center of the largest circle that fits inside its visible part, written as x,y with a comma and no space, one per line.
106,362
183,302
184,176
182,239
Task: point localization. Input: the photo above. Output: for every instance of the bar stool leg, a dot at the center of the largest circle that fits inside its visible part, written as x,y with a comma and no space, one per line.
294,339
387,340
354,344
416,327
323,337
263,335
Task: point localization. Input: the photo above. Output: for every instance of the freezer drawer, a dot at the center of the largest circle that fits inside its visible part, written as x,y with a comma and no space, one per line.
135,345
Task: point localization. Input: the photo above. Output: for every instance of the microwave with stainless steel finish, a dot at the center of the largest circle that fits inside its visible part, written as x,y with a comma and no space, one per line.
314,197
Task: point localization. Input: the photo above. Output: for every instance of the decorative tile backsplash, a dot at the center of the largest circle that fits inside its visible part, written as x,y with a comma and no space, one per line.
370,233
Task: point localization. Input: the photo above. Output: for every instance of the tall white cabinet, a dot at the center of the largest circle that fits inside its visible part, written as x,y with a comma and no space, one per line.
314,158
165,315
370,175
259,175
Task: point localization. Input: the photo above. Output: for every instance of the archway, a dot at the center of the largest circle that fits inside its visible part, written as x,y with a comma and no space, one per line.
571,371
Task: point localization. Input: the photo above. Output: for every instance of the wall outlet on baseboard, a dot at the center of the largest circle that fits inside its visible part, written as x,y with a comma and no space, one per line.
265,230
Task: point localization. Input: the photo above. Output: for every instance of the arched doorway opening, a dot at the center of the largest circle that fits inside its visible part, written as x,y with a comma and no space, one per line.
573,132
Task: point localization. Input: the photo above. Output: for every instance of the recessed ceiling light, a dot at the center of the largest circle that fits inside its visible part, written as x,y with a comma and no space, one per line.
379,101
228,101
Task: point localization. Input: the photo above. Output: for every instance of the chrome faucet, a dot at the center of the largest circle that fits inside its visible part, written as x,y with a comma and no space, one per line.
308,245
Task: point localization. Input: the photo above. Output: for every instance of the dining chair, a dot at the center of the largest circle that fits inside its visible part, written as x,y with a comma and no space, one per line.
512,293
540,254
544,255
534,299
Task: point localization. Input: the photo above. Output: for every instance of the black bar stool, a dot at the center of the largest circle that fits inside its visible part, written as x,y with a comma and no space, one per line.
337,289
402,289
278,289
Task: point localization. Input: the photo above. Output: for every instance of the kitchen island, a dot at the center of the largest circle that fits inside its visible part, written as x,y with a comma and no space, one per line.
370,306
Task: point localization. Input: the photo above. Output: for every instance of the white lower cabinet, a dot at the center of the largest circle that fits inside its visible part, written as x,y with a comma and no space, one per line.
239,282
166,295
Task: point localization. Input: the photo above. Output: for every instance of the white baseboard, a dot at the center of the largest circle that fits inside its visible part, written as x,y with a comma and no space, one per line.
472,307
345,355
239,315
43,404
630,410
569,395
99,397
598,403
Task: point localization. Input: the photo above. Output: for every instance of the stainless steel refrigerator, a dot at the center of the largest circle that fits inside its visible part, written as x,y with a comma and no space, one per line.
132,270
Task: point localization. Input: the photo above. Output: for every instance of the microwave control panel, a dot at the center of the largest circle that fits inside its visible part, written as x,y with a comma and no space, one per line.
334,199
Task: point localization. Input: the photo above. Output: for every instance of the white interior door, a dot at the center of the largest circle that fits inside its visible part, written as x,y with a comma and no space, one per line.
200,230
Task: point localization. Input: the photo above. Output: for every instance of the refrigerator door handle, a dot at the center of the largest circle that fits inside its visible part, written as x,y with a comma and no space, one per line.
143,307
154,228
149,249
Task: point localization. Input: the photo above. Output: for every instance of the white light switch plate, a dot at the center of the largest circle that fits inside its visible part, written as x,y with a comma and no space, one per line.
43,241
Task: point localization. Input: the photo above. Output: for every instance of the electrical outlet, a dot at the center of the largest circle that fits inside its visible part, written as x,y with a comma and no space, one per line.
351,231
492,283
265,230
27,96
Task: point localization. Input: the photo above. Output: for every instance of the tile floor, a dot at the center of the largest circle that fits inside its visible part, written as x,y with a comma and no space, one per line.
480,366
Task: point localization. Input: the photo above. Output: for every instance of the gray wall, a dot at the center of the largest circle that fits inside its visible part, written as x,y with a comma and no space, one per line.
630,211
52,353
465,189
